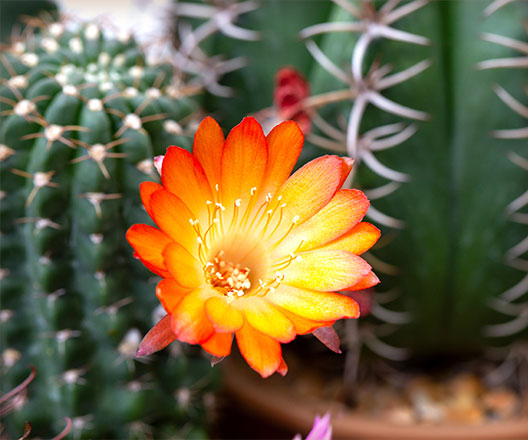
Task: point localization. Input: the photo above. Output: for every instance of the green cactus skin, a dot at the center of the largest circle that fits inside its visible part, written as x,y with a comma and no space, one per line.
82,116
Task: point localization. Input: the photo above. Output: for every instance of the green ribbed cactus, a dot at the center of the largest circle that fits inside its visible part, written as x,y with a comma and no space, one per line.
82,116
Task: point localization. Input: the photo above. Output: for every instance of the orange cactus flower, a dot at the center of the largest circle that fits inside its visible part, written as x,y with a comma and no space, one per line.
245,249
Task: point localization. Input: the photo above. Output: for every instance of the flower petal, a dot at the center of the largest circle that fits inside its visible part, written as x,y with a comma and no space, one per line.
369,281
207,148
189,321
326,270
183,266
285,143
304,325
146,189
184,176
172,216
261,352
244,160
223,316
149,243
318,306
346,167
170,293
310,188
343,212
266,318
283,368
358,240
219,344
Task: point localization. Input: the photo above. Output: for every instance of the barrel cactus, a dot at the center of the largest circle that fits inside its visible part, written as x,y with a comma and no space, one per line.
412,91
82,116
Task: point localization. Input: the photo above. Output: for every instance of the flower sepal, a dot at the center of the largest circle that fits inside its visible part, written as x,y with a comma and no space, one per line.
157,338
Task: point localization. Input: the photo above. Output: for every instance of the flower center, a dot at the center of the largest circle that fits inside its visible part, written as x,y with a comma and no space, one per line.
229,278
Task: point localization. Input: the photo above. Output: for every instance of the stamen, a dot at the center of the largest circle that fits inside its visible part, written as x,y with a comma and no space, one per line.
280,219
295,219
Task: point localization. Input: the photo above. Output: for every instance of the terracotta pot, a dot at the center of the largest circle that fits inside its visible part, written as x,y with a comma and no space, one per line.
270,400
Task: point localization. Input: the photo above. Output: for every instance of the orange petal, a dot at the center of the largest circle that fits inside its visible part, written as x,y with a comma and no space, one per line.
326,270
244,161
266,318
161,272
146,189
261,352
170,293
310,188
285,143
369,281
358,240
186,269
149,243
189,321
184,176
223,316
283,368
219,344
343,212
172,216
317,306
304,325
207,148
346,167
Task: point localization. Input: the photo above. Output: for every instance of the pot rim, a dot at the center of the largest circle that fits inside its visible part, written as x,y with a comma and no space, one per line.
285,409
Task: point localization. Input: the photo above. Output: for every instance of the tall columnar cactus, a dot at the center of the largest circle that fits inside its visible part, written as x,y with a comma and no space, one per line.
444,192
426,78
82,117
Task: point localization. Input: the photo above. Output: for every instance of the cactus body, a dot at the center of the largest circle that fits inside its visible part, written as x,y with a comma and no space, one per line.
83,116
451,203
